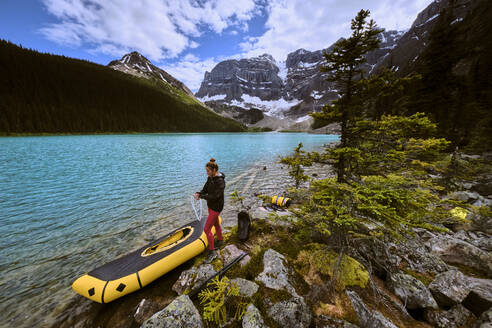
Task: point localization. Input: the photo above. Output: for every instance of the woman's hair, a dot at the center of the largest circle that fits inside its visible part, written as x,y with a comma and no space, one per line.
212,165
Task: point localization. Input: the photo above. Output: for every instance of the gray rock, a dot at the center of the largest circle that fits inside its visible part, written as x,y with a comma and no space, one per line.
480,223
456,317
485,320
368,318
465,196
479,299
411,291
293,313
193,277
413,252
456,251
484,185
252,318
259,213
145,310
246,288
181,313
450,288
230,252
453,287
275,274
324,321
477,238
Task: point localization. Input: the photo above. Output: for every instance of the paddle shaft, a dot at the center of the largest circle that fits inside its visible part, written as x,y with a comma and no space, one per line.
219,273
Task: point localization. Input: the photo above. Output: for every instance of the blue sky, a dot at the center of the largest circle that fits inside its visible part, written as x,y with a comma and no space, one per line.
189,37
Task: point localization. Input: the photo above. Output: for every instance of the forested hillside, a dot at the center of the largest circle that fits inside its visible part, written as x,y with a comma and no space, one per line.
43,93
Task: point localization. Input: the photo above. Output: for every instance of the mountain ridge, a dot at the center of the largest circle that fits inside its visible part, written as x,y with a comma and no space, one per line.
136,64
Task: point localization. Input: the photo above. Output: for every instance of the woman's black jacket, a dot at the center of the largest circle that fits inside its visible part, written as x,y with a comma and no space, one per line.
213,192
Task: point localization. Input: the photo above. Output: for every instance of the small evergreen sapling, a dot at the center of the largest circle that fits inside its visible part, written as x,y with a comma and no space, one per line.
220,295
296,163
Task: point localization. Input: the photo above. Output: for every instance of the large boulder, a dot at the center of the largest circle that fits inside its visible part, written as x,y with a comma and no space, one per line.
411,291
230,252
252,318
145,310
181,313
450,288
484,185
476,238
412,253
275,273
485,320
246,288
192,278
456,317
324,321
455,251
465,196
453,287
368,318
479,299
293,313
480,223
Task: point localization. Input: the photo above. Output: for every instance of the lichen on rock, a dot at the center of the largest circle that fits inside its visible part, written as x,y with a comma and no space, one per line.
181,313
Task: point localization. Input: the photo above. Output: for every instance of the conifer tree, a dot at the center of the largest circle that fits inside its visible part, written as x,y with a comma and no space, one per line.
344,64
296,162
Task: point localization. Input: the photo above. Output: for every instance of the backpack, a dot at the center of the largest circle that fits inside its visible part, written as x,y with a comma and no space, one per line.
243,224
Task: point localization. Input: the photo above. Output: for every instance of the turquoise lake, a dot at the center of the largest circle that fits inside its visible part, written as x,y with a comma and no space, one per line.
71,203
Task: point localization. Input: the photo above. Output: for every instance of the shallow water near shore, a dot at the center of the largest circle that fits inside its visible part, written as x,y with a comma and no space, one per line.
71,203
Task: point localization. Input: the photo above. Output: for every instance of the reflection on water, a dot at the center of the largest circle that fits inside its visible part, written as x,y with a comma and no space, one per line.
71,203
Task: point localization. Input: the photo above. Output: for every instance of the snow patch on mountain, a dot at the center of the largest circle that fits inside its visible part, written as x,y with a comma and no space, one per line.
282,70
212,98
269,107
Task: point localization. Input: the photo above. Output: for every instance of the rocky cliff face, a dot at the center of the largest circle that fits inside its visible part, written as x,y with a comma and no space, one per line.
290,88
136,64
404,58
231,79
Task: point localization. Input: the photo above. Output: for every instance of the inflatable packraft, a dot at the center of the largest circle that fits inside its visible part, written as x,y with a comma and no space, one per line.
139,268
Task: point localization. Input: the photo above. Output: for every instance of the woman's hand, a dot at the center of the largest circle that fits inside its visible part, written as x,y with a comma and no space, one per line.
197,195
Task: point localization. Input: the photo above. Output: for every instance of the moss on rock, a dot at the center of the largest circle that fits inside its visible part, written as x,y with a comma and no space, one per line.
317,261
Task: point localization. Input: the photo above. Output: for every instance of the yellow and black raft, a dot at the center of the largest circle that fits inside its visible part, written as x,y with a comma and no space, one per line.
139,268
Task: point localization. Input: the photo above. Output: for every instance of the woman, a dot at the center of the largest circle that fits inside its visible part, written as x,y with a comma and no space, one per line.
213,193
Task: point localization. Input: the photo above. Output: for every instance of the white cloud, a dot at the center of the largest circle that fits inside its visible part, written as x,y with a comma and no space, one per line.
316,24
157,28
190,70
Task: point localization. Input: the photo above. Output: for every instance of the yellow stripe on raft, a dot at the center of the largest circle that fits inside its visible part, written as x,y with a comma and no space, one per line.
106,291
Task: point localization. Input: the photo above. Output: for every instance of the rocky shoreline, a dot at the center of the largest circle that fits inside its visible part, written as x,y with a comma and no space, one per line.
438,280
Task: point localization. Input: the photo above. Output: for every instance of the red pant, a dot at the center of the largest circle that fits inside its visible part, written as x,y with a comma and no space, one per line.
212,221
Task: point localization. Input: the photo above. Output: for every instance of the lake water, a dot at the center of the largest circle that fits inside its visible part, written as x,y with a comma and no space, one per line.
71,203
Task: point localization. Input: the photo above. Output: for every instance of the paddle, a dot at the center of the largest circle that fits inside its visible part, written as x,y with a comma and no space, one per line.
219,273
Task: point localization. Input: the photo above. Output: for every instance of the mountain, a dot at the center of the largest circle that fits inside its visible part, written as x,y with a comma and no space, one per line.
288,89
404,58
43,93
136,64
256,77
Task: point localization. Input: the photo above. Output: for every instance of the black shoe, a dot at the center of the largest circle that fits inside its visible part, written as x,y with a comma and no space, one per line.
212,255
218,244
